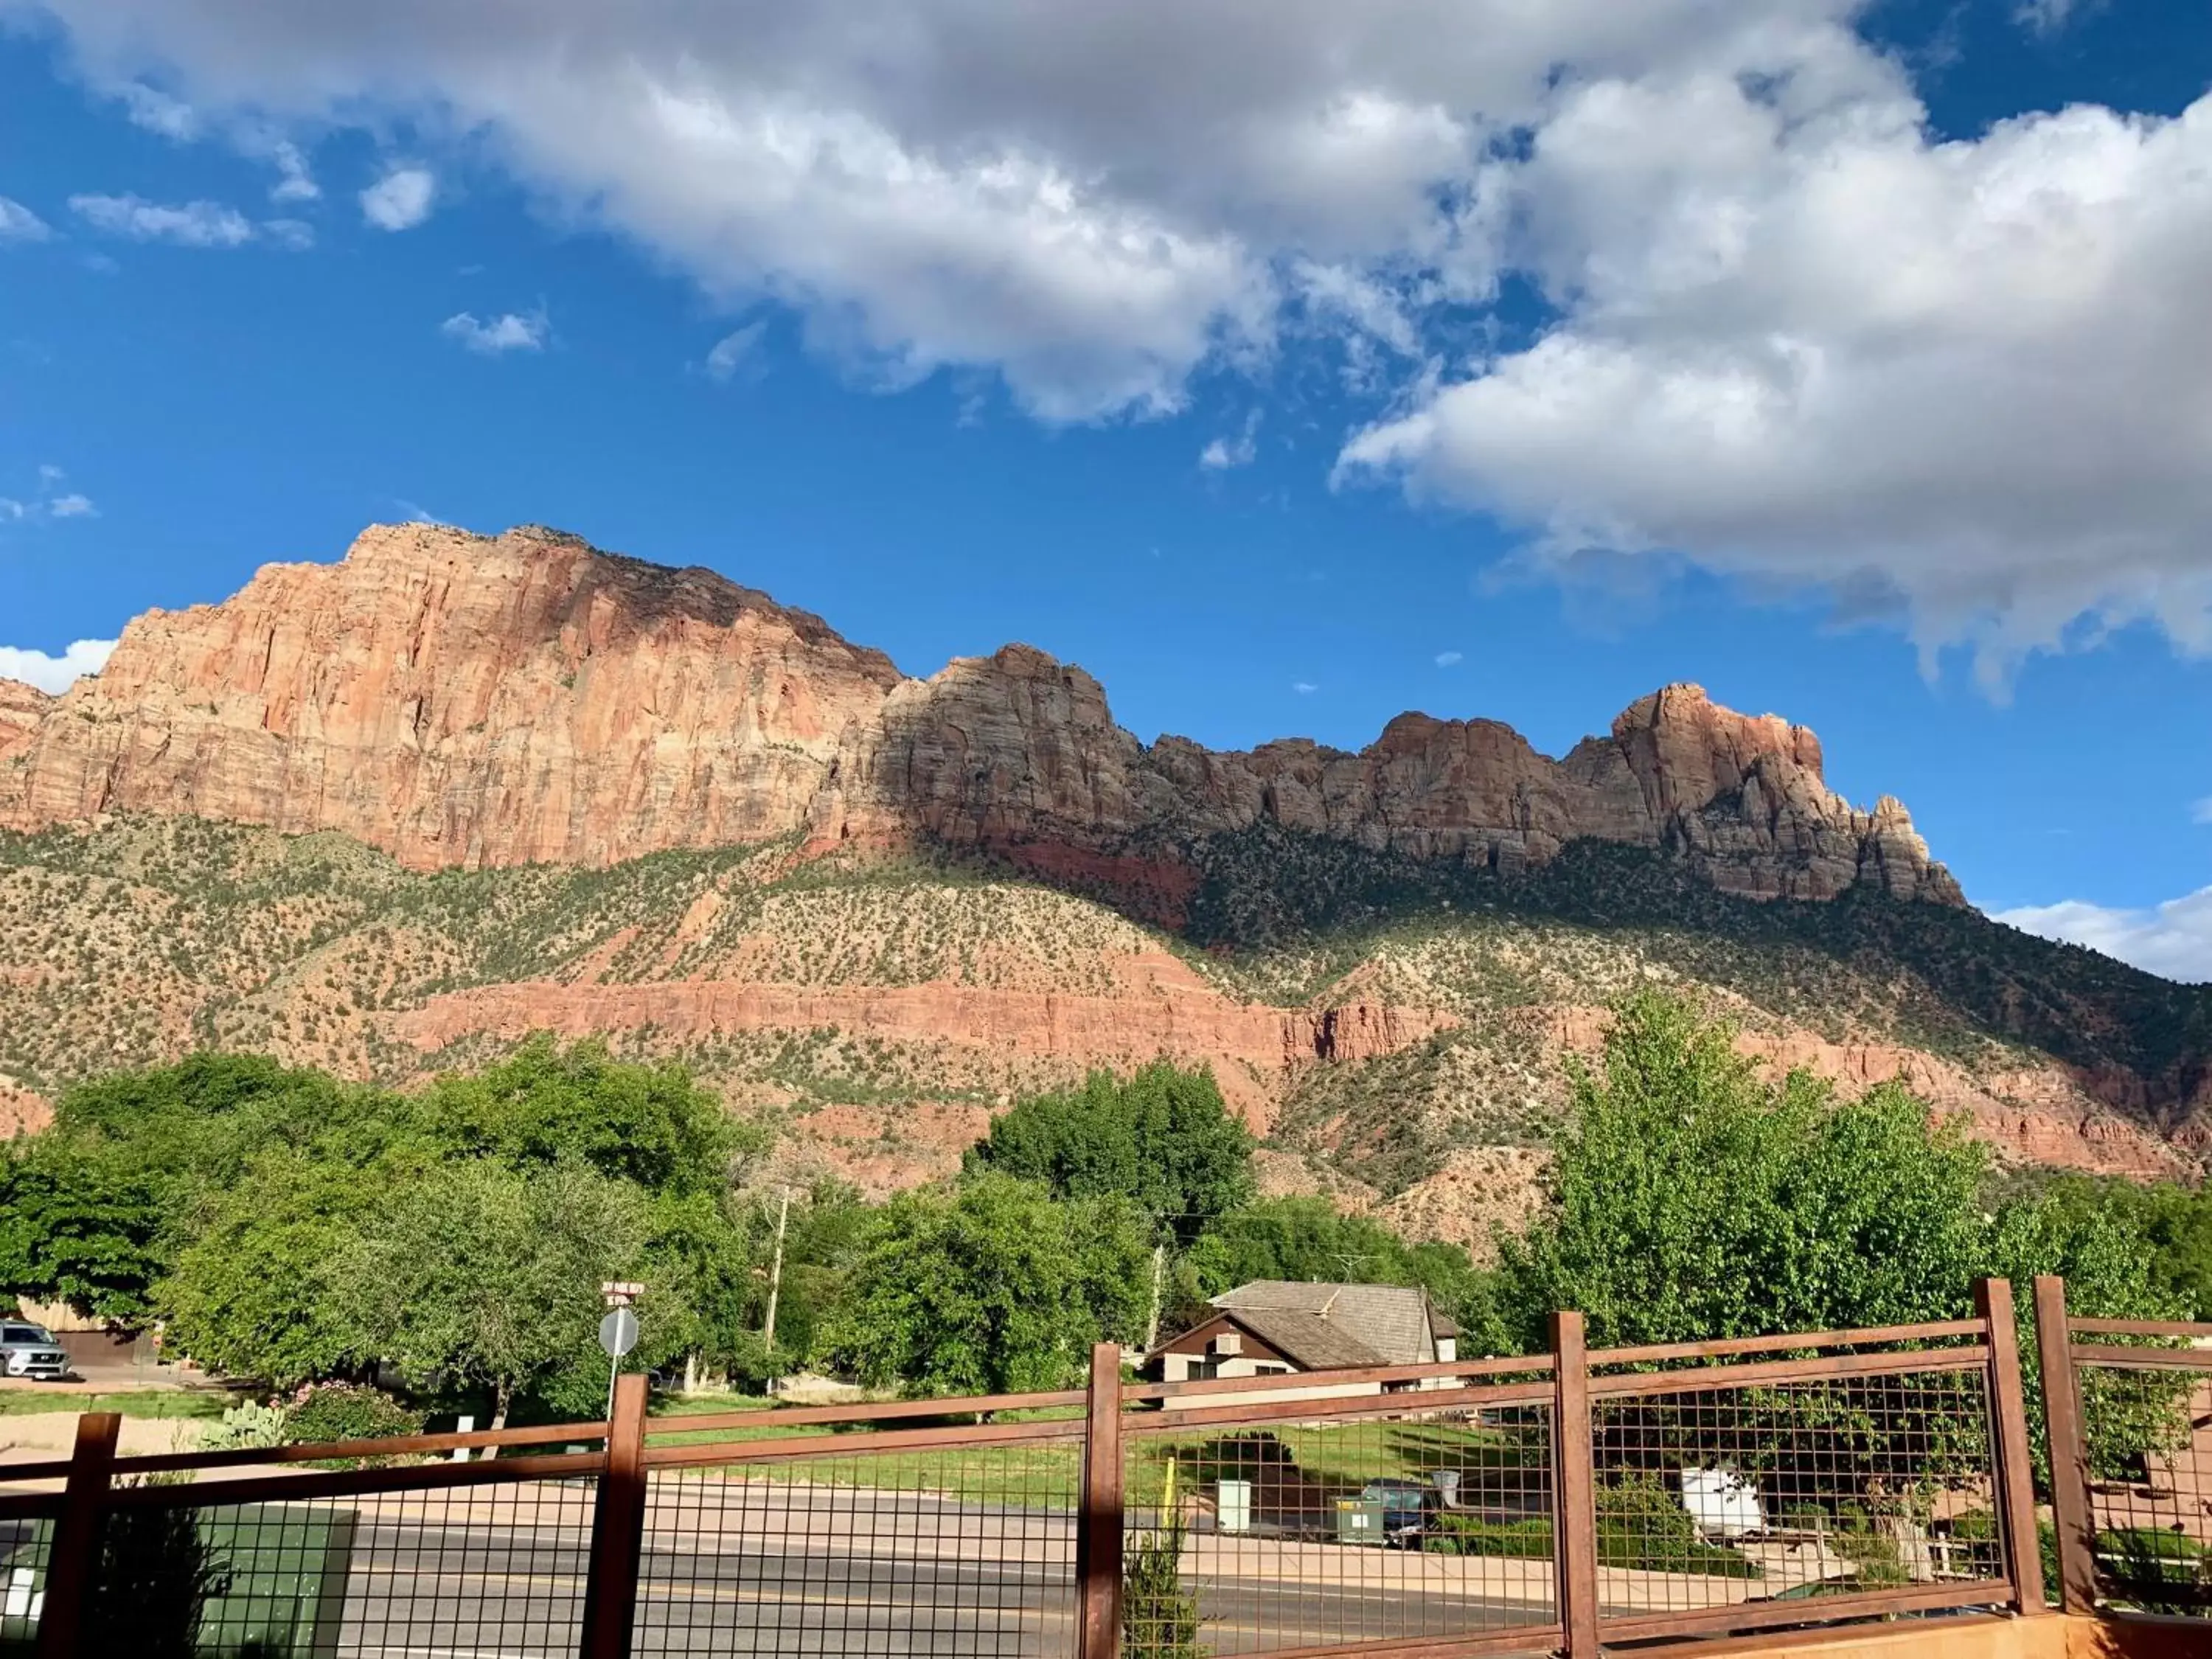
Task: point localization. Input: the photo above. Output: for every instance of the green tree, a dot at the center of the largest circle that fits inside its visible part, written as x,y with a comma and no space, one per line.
651,1125
255,1292
994,1288
79,1225
490,1276
1694,1196
2094,1234
1165,1139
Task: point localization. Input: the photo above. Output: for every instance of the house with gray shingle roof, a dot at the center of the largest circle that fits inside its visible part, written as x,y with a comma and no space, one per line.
1276,1328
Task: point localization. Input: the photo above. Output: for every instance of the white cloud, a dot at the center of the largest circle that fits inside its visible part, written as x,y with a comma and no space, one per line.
2048,17
11,509
2172,939
1304,688
401,199
506,332
736,350
190,224
72,506
1962,383
294,183
50,474
1450,658
54,675
1793,339
1091,201
1240,451
293,235
157,111
19,224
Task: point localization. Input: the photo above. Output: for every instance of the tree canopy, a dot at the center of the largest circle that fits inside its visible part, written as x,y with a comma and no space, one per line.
1164,1138
994,1289
1694,1195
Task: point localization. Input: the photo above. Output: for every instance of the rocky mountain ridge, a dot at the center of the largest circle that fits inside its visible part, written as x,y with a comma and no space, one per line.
395,813
473,701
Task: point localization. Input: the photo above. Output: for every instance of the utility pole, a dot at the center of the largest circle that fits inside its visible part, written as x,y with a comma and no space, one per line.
1152,1325
776,1273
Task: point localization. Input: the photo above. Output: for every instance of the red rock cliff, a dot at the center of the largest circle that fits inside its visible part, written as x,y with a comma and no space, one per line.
466,700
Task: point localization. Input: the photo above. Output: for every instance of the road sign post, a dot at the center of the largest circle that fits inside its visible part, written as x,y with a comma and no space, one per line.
619,1336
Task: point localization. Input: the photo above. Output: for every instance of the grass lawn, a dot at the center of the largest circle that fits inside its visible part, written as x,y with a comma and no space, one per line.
1036,1477
143,1402
1344,1457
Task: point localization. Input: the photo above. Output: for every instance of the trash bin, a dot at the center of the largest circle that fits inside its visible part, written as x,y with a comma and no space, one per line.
1359,1521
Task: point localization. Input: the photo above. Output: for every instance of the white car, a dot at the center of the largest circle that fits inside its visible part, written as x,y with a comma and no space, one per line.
28,1350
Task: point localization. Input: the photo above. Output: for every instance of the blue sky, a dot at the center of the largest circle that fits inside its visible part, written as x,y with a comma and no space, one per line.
1849,360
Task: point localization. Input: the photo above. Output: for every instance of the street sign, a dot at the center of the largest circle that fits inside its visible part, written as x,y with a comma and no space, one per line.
618,1332
620,1290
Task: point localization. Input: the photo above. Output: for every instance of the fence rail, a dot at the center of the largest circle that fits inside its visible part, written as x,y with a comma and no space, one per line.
1553,1502
2131,1438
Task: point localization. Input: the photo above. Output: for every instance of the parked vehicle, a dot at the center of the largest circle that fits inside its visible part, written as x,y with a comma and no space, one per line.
28,1350
1404,1506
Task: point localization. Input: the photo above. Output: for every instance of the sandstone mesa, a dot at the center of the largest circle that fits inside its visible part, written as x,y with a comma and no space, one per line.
468,700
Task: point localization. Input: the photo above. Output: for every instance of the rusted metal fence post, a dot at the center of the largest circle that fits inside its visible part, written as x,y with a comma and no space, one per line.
1098,1524
2068,1448
73,1555
2015,1469
1574,1487
617,1527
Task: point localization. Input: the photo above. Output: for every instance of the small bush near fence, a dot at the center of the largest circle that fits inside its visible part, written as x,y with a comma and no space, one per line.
347,1410
1160,1617
156,1575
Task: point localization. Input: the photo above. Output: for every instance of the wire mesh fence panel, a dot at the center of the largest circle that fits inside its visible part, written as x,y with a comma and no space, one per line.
489,1569
24,1542
1812,1491
1426,1524
2148,1438
960,1551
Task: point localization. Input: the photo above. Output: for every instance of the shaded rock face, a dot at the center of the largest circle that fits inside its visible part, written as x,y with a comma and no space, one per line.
460,700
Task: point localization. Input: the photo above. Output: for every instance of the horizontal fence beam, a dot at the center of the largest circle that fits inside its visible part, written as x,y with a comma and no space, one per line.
1994,1593
29,1505
1831,1368
345,1483
2142,1360
800,1446
404,1445
1336,1405
21,1474
1938,1332
2141,1328
1521,1638
886,1411
1512,1365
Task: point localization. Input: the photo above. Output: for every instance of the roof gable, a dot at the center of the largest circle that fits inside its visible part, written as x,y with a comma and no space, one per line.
1390,1323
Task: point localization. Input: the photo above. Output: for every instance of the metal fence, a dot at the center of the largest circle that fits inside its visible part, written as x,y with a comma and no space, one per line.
1531,1504
2130,1411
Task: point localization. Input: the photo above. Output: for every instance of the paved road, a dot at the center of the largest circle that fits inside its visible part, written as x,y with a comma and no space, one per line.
440,1593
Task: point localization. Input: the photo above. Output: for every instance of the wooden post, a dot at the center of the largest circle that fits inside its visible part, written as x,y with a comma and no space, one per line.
1574,1487
2069,1451
74,1556
1098,1527
617,1527
2015,1469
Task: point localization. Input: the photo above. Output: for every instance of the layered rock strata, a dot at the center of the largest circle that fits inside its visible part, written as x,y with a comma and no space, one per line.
470,701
